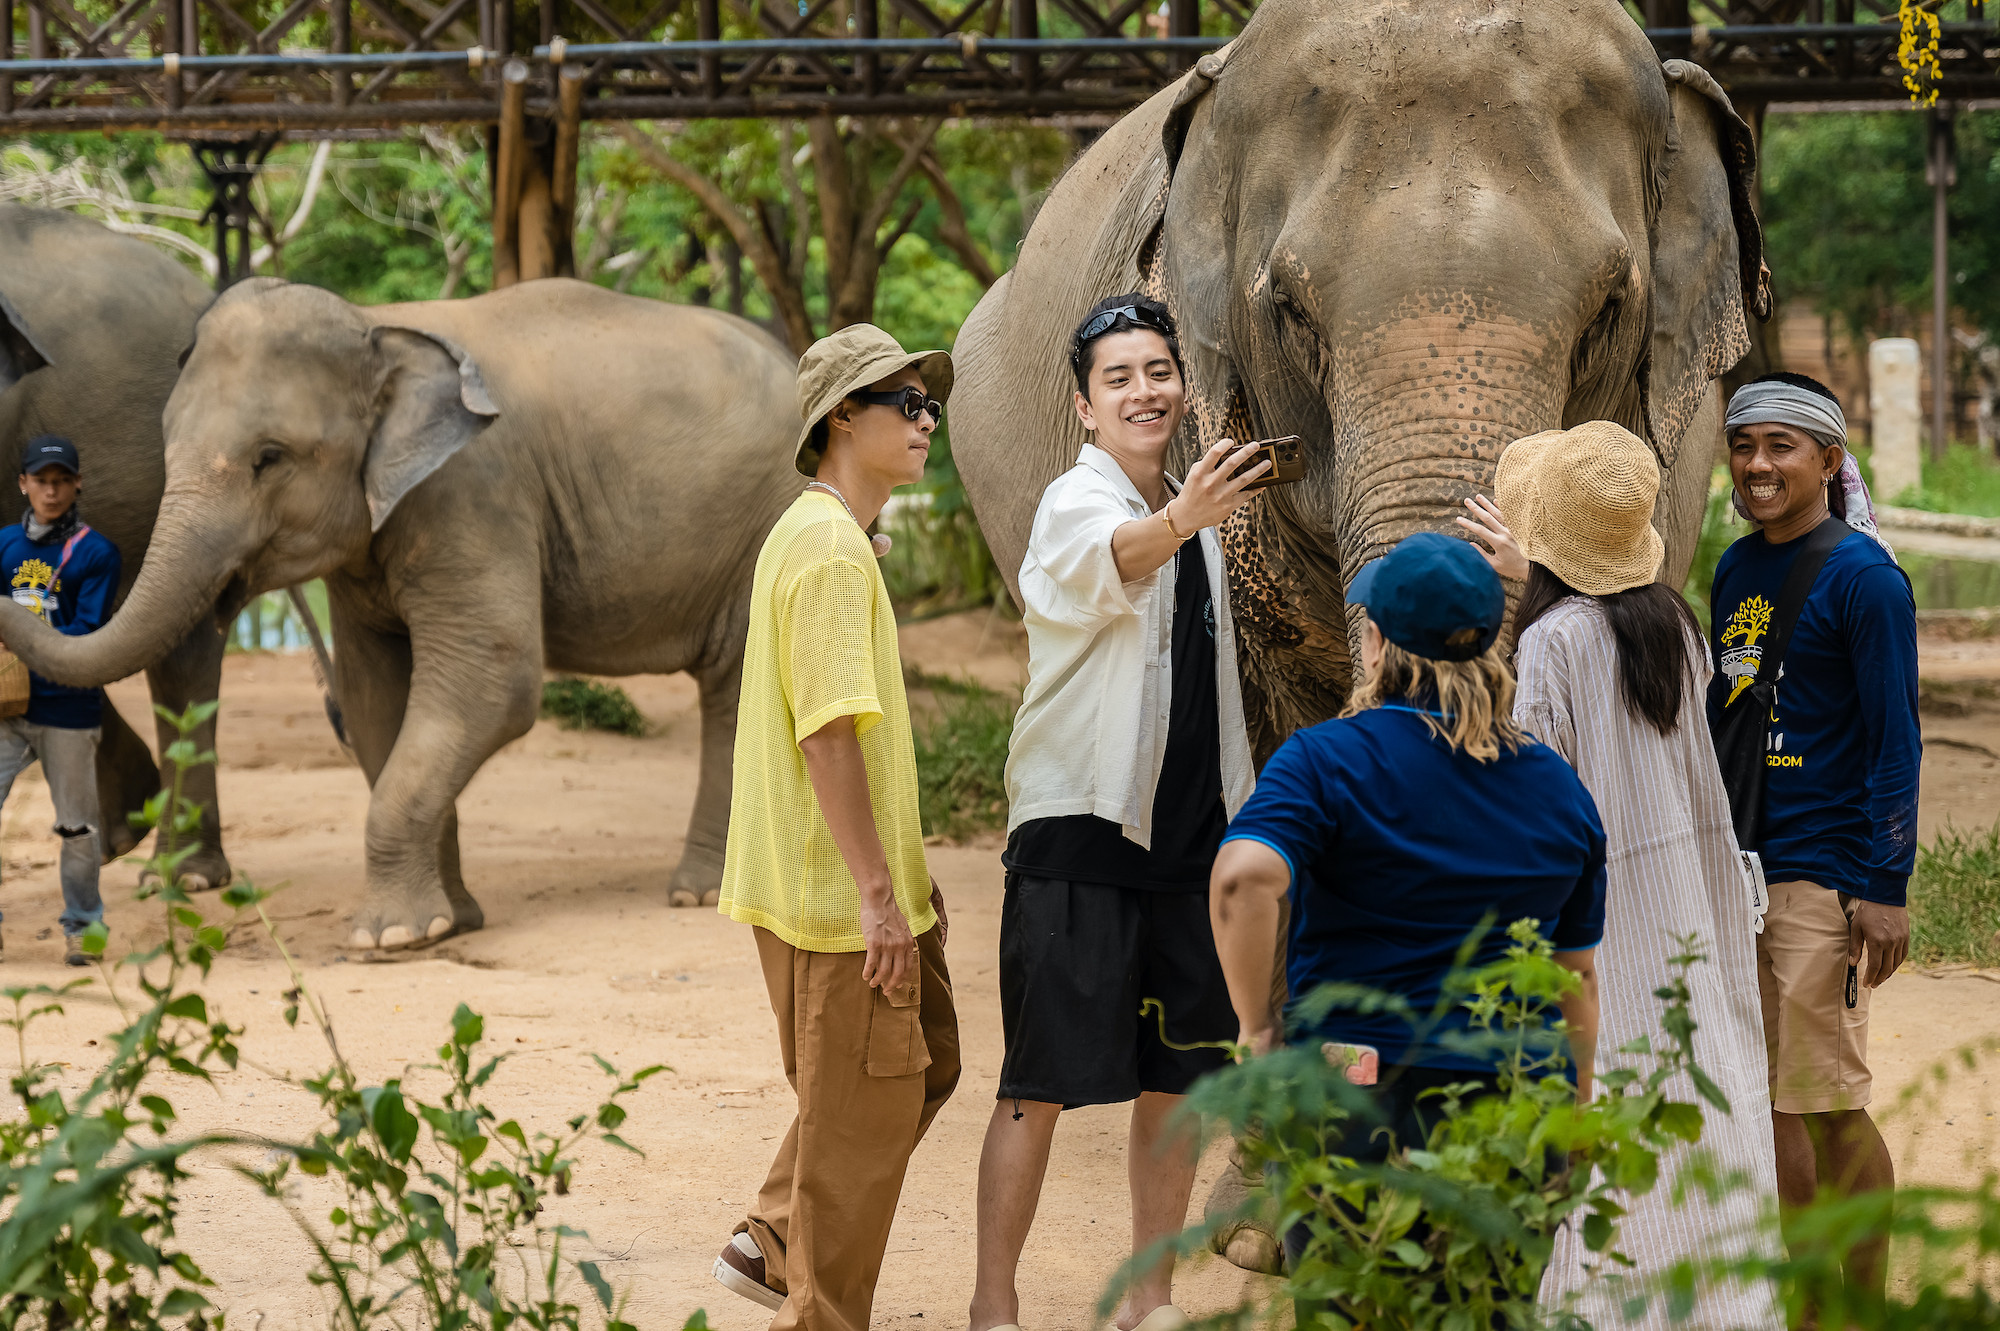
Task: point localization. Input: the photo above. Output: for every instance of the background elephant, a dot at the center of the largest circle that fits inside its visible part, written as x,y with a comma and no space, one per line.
1411,234
92,325
552,475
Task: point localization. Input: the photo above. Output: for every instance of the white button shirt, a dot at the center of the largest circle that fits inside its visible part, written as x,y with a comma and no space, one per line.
1092,730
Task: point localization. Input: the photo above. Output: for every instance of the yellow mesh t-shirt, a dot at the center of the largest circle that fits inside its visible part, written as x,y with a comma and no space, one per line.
822,645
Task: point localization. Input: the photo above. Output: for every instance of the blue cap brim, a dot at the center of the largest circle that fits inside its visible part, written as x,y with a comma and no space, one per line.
1364,583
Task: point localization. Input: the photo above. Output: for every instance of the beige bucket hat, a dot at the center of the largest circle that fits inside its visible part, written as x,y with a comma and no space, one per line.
848,361
1580,502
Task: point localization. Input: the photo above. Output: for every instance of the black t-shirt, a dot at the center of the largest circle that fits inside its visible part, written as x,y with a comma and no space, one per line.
1188,814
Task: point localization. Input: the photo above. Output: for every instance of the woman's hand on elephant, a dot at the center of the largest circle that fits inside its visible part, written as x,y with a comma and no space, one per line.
1486,525
1212,490
937,904
892,953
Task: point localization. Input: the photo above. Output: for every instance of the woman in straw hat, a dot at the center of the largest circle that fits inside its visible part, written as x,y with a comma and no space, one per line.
1613,671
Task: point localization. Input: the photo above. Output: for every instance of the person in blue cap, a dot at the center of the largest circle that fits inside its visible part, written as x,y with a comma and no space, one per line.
1396,829
68,574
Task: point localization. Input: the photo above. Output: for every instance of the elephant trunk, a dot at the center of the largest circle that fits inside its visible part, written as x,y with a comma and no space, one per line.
186,572
1423,422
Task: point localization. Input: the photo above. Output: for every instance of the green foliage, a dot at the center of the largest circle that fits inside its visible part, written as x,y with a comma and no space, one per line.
962,757
90,1184
1966,481
585,704
436,1196
1955,899
1498,1175
1847,217
939,562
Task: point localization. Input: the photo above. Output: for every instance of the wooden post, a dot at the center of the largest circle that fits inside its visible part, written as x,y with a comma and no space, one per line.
708,28
867,27
1024,24
6,53
341,19
569,118
1943,173
1183,20
38,32
507,174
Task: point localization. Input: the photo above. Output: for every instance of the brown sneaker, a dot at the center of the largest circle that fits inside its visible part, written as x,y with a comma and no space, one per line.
73,953
739,1267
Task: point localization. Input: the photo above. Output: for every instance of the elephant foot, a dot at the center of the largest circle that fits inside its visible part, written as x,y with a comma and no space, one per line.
1252,1249
191,880
402,926
683,896
1245,1237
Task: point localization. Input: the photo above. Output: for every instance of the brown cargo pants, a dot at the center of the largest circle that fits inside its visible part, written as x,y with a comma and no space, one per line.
871,1071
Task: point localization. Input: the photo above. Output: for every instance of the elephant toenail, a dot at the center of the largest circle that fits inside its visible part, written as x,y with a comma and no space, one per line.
680,896
710,897
397,935
361,938
440,926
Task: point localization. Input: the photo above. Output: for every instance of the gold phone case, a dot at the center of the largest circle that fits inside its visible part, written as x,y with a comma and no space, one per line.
1288,464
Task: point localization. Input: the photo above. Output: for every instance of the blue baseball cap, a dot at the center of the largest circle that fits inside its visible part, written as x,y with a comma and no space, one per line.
1433,596
49,450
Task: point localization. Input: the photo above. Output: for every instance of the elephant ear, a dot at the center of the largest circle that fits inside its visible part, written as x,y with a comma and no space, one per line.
20,354
429,403
1708,255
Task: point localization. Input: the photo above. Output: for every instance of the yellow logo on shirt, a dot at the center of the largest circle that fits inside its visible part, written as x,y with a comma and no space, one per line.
34,585
1751,621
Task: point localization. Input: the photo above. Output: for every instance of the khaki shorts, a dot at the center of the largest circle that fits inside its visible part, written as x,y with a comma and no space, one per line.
1817,1045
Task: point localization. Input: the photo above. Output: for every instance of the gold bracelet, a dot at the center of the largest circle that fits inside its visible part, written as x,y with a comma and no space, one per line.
1168,519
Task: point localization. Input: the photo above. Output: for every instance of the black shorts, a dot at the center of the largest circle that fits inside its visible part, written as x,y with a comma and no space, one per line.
1076,960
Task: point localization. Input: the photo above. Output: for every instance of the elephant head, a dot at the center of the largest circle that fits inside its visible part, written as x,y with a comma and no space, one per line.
295,429
1413,233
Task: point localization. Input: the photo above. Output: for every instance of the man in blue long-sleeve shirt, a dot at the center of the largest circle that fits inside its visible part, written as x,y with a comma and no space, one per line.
68,574
1840,801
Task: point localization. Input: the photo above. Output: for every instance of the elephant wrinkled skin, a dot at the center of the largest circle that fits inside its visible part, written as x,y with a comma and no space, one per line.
550,476
1410,233
92,324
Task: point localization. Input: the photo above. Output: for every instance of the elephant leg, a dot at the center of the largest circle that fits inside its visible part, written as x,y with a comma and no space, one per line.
461,706
698,878
192,673
126,778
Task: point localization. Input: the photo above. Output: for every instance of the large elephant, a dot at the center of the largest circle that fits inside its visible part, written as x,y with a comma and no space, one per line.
1410,233
552,475
91,327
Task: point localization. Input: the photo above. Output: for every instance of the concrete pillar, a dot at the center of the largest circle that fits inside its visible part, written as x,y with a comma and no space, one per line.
1895,367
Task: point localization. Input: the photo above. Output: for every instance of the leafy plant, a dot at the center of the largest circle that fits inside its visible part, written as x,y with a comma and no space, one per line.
1497,1176
1955,899
1719,527
1964,481
585,704
962,758
939,563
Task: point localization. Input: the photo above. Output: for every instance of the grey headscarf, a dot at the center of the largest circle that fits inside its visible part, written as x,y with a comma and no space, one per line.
1775,402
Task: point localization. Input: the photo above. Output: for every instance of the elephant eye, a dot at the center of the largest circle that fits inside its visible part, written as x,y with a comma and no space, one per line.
266,455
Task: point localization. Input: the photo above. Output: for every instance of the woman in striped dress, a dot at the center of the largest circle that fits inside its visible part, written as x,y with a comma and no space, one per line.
1613,670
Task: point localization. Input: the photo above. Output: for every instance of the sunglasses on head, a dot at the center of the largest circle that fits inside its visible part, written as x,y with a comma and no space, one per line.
910,400
1103,321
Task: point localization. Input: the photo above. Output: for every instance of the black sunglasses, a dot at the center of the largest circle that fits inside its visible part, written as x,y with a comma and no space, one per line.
1103,321
910,399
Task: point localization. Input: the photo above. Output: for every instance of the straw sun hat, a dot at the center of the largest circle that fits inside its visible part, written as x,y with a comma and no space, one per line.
847,362
1580,502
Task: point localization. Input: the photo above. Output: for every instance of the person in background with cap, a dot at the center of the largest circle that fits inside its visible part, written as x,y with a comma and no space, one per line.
1612,667
1840,797
68,574
1127,757
1397,829
826,858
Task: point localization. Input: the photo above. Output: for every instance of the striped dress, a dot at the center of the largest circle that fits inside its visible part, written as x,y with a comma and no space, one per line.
1673,870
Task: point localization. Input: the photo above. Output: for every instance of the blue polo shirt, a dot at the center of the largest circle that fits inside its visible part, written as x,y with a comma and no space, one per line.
1840,781
1399,846
75,598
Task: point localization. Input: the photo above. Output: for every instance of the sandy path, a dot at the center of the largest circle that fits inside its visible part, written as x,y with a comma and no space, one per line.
568,841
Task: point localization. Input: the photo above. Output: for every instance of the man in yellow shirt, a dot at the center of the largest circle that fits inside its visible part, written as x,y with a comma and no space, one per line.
826,854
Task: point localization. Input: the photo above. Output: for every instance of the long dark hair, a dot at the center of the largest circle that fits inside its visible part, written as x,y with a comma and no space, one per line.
1650,624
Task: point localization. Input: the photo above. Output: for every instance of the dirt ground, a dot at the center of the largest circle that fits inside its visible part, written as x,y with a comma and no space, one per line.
568,842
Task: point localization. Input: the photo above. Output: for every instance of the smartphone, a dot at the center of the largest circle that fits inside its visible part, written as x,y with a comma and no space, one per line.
1361,1064
1288,464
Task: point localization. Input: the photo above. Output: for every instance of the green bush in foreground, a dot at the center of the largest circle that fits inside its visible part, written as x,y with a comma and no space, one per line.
449,1240
962,758
585,704
1955,899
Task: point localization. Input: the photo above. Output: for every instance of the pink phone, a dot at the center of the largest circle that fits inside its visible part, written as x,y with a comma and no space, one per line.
1360,1063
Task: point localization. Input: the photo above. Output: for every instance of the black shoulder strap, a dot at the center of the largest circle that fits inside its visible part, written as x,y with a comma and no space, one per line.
1818,544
